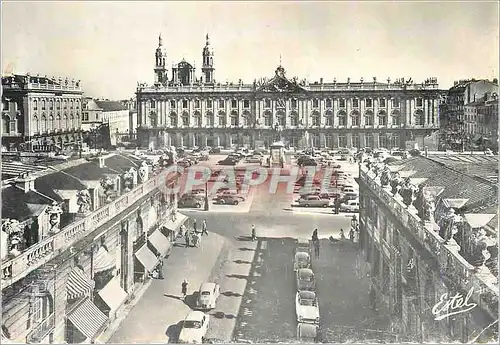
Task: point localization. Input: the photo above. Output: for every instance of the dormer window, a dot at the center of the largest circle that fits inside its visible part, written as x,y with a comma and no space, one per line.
315,103
234,104
328,103
355,103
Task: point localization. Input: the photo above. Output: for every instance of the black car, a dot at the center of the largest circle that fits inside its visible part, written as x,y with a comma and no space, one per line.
214,150
309,163
227,161
228,199
190,200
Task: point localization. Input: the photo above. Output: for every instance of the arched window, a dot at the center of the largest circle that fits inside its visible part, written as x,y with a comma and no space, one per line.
58,104
71,121
222,118
71,104
58,121
328,103
43,104
36,124
268,119
234,118
419,118
355,118
342,118
197,119
315,119
185,118
396,118
173,119
369,118
382,118
51,105
43,123
50,123
65,122
35,104
6,123
210,119
294,118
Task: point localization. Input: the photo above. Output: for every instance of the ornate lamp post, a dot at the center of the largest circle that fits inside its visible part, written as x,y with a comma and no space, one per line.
207,207
355,227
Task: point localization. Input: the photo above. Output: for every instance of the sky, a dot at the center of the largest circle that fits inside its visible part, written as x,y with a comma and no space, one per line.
110,46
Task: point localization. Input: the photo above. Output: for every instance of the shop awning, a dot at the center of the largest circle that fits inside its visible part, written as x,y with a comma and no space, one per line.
175,225
103,261
78,284
88,319
160,242
146,257
113,294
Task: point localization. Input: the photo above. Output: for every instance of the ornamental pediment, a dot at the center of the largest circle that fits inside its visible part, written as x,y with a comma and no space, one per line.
280,84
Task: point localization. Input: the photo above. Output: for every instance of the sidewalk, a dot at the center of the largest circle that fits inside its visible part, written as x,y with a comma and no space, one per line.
156,314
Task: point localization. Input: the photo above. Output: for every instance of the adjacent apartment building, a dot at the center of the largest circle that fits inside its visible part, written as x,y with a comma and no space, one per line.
186,110
40,113
429,236
78,239
480,121
115,114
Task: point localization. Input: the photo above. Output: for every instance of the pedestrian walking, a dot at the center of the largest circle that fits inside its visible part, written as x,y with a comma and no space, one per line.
204,229
184,287
182,230
342,235
196,239
351,235
194,225
254,233
314,236
160,266
187,237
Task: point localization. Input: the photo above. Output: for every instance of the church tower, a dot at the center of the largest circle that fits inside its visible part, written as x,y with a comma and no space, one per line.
161,76
208,63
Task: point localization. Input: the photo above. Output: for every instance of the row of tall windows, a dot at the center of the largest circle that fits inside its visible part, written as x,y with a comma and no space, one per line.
49,105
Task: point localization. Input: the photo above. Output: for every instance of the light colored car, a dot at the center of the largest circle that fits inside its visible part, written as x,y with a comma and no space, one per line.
314,201
194,327
253,159
307,333
347,189
306,280
307,307
303,245
350,206
207,296
301,260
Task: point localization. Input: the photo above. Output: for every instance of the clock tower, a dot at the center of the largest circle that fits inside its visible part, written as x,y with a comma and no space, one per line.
208,63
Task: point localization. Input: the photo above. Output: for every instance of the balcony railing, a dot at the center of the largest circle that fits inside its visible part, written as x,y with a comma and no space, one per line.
41,330
454,266
37,255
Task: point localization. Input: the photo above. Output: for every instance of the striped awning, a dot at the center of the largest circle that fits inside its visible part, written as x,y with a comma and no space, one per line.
160,242
88,319
103,261
78,284
146,257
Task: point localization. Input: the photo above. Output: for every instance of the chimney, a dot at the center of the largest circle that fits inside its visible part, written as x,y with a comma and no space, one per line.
102,162
25,182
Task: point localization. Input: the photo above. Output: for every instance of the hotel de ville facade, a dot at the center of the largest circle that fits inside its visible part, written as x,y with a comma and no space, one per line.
186,111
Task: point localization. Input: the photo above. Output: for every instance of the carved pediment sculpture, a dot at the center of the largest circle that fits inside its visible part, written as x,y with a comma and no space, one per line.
279,84
143,172
396,183
385,177
83,201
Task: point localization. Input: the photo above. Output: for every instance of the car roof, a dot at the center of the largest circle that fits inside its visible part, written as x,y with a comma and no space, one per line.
304,271
307,294
303,241
195,315
301,254
207,286
307,330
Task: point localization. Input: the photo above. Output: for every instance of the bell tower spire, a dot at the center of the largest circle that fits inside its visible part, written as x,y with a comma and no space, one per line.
208,62
161,75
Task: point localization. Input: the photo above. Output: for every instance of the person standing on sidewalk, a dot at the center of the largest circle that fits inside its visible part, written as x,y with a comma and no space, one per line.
184,287
187,238
316,249
342,235
204,229
160,266
351,235
195,226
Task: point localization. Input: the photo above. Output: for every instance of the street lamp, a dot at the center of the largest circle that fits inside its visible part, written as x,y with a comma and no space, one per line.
206,196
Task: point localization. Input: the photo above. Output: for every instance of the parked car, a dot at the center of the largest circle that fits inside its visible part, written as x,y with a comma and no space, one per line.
303,245
348,189
301,260
350,206
194,327
308,333
228,192
227,161
190,200
306,280
348,196
198,191
309,163
314,201
207,296
227,200
215,150
307,307
253,159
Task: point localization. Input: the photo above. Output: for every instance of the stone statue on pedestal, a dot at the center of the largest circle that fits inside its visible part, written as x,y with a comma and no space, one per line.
448,225
428,207
385,177
108,186
143,172
408,192
396,183
54,212
84,201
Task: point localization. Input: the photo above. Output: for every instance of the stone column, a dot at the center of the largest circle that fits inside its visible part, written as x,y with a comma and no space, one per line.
335,138
349,139
375,140
322,140
216,140
179,140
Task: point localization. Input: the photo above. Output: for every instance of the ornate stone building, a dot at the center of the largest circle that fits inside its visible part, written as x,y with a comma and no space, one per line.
188,111
428,233
80,240
40,112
